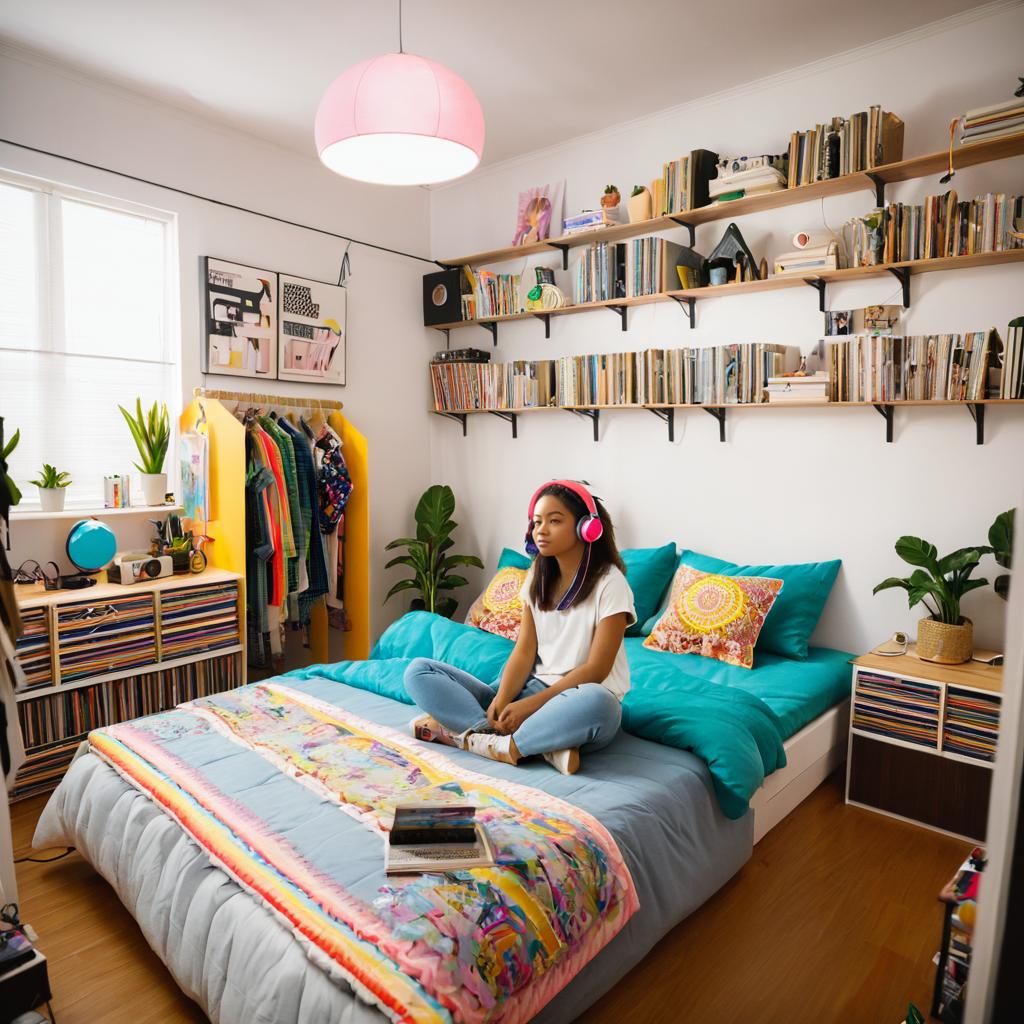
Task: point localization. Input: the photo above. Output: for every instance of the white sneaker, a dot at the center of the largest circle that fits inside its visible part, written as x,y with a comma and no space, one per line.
430,730
567,761
490,744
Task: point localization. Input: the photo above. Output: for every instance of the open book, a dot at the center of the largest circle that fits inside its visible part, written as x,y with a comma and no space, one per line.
436,837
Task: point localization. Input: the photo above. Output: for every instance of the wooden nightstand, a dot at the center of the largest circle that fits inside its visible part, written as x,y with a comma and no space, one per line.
922,741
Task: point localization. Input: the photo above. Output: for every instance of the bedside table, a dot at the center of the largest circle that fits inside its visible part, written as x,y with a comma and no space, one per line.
923,739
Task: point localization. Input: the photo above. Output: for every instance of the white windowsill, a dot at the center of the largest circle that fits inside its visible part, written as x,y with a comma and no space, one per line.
23,515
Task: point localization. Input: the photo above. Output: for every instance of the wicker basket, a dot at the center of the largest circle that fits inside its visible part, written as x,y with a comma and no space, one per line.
946,644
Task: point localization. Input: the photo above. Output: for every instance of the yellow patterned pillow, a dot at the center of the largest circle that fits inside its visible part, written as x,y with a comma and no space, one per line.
716,616
498,609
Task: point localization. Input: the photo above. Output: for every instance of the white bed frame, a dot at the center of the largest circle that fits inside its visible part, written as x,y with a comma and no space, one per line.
812,755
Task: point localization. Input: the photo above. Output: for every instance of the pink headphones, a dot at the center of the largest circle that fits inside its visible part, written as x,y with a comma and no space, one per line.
588,529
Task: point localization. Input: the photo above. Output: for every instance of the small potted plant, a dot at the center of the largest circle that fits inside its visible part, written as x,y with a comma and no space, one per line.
152,433
945,636
611,197
427,559
639,204
52,483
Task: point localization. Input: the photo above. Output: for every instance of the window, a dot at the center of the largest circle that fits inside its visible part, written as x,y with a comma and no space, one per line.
88,291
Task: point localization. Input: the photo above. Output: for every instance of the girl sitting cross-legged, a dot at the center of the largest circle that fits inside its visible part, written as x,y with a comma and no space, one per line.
562,685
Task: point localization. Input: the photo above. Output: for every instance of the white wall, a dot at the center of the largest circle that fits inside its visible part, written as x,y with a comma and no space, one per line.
794,485
53,109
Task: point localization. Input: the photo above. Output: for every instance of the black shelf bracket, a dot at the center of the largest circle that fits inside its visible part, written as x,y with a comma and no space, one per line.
977,411
459,417
879,188
886,411
508,417
447,336
546,317
563,248
819,285
689,227
592,414
669,416
621,310
719,415
691,303
492,326
903,275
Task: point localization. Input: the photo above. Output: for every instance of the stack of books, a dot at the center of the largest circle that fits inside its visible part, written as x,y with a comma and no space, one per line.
683,184
742,176
844,146
1011,384
590,220
496,294
994,122
805,261
916,368
814,388
650,265
436,837
600,273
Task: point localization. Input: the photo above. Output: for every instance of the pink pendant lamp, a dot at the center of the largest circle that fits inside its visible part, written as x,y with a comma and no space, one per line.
399,119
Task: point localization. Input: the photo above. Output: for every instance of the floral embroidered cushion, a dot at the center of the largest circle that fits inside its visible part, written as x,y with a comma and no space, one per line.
715,616
498,609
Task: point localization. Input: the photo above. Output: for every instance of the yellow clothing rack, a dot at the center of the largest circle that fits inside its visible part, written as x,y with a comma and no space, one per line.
207,413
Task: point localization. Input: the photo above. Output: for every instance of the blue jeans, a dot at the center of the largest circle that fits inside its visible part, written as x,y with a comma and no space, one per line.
586,716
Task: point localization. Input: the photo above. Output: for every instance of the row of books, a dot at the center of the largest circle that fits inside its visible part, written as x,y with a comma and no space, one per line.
616,270
897,708
940,226
496,294
683,184
713,375
52,726
1011,384
971,725
993,122
845,145
918,368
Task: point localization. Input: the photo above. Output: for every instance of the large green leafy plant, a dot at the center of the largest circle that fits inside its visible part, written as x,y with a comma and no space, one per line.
1000,536
937,583
427,557
152,433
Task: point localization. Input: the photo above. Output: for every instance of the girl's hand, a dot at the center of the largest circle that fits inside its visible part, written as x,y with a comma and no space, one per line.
516,713
494,712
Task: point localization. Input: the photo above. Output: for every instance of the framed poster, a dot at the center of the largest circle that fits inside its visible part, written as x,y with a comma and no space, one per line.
240,311
311,343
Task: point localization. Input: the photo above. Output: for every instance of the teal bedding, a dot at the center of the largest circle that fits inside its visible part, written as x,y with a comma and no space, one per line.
735,719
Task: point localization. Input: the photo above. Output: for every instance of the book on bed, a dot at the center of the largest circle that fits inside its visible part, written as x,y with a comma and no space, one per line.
436,837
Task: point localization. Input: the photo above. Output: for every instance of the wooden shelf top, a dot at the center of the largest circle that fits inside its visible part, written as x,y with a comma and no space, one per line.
33,595
904,170
971,674
740,405
914,267
22,515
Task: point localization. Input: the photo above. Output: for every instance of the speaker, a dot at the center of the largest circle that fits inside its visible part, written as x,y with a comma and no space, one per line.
442,302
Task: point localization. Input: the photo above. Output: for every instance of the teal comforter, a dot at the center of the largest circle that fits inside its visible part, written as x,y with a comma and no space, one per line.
734,719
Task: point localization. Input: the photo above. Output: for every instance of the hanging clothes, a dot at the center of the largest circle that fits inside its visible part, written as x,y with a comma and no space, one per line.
335,488
259,553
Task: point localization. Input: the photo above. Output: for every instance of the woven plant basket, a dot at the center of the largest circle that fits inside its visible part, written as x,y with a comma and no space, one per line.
943,643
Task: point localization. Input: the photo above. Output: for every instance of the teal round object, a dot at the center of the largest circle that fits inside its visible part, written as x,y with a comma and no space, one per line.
90,545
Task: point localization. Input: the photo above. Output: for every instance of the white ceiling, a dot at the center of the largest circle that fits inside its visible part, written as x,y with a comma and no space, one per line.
544,70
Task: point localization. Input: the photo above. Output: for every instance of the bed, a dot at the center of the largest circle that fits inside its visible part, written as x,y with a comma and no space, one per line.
676,819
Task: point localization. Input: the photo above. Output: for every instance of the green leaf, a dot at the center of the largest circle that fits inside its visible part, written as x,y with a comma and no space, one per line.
445,606
13,488
400,586
1002,586
973,585
435,507
915,551
1000,536
454,560
12,444
958,560
402,542
451,582
401,560
890,583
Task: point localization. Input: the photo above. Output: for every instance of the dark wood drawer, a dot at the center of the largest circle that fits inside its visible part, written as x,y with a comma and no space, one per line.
924,787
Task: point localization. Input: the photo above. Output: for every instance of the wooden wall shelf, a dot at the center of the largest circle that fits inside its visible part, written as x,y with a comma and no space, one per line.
903,270
874,180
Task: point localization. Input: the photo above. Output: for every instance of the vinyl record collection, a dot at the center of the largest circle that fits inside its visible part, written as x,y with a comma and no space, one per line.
897,708
971,725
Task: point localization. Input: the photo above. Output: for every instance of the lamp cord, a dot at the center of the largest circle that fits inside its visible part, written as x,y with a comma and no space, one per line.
400,49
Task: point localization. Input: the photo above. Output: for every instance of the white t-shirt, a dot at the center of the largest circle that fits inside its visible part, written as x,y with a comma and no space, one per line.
564,638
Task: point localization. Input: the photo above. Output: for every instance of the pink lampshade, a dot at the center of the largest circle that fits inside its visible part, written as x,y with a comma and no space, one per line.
399,119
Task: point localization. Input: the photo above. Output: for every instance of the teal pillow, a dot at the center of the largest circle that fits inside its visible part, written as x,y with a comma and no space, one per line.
648,571
787,629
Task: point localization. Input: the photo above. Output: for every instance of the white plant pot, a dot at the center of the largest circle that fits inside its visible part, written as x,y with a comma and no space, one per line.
639,207
154,488
51,499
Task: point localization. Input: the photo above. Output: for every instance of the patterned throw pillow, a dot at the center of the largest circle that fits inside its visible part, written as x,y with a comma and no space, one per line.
715,616
498,609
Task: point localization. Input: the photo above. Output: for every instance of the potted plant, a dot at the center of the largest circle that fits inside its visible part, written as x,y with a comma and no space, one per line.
639,204
945,636
611,197
12,488
152,433
51,483
427,559
1000,537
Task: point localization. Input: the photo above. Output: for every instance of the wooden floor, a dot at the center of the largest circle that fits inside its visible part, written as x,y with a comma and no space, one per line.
834,918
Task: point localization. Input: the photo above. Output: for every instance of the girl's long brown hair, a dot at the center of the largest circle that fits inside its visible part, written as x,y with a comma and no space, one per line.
603,553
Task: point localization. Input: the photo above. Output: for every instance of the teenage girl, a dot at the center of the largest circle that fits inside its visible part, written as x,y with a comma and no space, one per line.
562,685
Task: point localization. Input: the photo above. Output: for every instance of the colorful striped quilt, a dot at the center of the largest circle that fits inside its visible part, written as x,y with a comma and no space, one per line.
482,945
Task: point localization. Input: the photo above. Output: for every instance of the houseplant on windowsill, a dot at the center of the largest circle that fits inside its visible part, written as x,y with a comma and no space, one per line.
152,433
52,483
945,636
427,558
